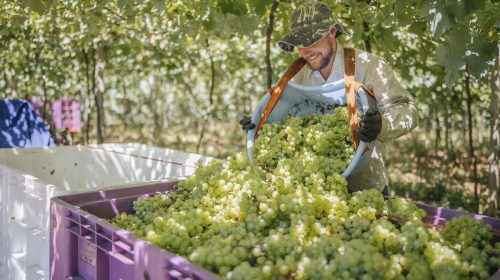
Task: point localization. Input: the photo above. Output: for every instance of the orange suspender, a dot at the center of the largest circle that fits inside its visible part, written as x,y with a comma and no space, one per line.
351,88
350,91
277,91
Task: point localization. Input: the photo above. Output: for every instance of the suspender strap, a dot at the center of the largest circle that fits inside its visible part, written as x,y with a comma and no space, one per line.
349,63
350,89
277,91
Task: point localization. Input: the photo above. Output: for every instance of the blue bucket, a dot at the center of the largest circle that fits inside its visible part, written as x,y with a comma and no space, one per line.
299,100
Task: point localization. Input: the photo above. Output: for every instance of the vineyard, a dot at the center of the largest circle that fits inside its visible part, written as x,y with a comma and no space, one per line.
181,74
173,73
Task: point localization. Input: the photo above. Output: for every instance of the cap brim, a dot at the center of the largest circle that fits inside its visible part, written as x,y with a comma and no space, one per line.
308,36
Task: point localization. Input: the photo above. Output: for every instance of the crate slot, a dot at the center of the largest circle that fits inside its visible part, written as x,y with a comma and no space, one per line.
104,244
73,217
89,237
103,231
88,227
86,230
74,229
124,246
123,258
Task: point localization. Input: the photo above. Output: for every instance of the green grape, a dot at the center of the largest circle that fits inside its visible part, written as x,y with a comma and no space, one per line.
444,262
465,231
401,208
358,259
414,237
416,267
288,215
386,236
476,262
367,198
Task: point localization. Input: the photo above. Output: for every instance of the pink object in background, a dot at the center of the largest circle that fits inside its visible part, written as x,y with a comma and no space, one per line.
37,104
66,114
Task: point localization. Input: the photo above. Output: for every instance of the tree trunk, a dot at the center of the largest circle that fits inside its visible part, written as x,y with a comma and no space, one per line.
447,131
438,131
99,92
210,97
494,178
14,84
86,105
27,69
45,92
45,97
81,96
448,146
269,34
472,159
368,45
156,108
126,105
5,88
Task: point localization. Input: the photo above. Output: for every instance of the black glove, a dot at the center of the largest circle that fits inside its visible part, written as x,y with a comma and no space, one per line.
370,125
246,123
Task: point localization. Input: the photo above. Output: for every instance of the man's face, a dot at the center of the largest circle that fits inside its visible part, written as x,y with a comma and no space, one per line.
319,54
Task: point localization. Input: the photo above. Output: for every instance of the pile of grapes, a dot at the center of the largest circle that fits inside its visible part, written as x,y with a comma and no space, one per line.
288,215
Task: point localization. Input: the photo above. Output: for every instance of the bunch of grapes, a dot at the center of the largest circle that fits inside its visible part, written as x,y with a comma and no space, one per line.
401,208
467,232
371,198
289,215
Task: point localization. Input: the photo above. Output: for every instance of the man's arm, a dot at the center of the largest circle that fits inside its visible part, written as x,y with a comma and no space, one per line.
397,106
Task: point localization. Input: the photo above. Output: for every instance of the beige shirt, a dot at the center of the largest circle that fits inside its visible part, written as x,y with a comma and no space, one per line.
397,106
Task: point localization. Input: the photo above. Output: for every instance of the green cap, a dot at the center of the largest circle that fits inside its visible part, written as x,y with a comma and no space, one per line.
311,21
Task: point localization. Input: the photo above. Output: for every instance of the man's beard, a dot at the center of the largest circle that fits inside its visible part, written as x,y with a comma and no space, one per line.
325,61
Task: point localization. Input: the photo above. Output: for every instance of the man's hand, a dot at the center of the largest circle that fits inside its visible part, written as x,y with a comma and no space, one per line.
370,125
246,123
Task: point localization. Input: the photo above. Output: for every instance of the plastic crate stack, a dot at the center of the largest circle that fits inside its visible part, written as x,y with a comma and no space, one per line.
24,224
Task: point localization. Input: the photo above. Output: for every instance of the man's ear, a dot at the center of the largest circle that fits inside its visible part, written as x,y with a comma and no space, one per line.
333,32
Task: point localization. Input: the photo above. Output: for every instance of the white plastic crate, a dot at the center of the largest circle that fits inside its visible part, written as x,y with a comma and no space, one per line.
30,177
174,158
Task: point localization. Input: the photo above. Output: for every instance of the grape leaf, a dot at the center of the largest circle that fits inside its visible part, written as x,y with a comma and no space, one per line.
121,4
37,5
481,53
441,23
17,21
451,54
260,6
236,7
473,5
488,17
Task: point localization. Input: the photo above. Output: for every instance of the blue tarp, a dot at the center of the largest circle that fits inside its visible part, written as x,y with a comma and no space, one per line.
21,127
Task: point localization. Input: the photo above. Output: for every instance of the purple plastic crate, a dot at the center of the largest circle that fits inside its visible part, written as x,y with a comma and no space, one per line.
437,217
85,245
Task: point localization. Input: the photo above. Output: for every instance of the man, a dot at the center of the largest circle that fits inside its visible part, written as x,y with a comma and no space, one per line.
313,34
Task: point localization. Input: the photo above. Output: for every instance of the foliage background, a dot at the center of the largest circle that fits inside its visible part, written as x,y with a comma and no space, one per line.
179,74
